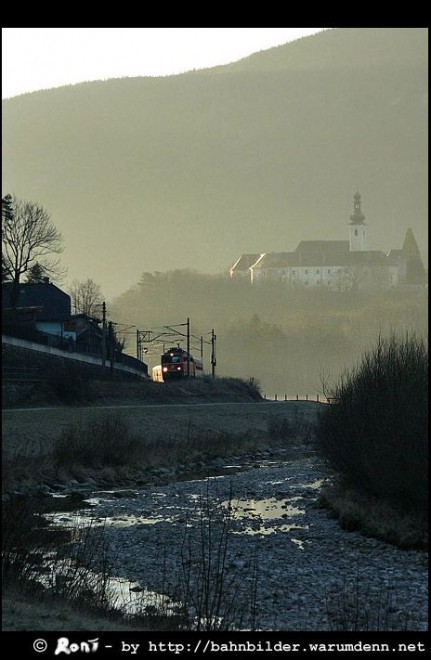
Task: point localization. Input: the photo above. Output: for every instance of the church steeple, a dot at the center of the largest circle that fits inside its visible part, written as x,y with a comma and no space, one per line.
357,218
358,232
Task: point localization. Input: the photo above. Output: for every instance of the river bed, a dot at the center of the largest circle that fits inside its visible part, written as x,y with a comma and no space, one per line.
251,549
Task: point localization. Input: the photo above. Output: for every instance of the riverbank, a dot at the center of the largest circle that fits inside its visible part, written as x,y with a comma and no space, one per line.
30,436
176,437
269,436
290,565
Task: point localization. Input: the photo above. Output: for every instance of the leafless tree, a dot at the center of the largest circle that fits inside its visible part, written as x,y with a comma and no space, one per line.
86,297
28,237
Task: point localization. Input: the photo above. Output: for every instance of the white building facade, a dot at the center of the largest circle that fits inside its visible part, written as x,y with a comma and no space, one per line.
336,265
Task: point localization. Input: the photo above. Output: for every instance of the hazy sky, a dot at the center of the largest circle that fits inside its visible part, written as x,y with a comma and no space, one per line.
41,58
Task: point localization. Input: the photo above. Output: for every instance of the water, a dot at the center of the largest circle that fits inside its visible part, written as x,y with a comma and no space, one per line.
252,516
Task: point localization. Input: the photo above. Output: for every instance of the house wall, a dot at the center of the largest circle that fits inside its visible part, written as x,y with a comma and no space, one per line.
337,278
55,328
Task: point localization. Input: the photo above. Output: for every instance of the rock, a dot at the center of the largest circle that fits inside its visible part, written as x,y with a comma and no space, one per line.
296,585
125,493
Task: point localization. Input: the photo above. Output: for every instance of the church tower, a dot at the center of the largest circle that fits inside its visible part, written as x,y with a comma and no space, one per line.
415,271
358,229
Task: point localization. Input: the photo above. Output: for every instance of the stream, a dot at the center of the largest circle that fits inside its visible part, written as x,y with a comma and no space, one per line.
250,549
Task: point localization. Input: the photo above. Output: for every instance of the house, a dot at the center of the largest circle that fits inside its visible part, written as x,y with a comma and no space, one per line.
47,310
88,333
41,306
241,267
43,315
338,265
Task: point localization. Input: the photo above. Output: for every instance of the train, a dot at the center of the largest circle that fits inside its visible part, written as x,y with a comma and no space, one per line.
175,363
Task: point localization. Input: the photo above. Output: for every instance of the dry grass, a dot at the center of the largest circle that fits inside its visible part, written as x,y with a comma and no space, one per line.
23,612
161,435
356,511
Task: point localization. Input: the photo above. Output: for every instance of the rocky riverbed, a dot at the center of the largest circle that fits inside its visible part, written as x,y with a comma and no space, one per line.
250,548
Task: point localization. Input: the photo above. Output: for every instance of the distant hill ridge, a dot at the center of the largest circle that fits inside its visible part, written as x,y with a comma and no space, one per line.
359,48
145,174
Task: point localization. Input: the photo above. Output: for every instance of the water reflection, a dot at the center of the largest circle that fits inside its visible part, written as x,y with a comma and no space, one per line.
264,510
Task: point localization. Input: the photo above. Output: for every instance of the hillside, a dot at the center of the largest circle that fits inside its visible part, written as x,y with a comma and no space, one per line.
144,174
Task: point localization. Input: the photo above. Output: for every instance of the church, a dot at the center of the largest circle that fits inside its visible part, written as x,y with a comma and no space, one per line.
338,265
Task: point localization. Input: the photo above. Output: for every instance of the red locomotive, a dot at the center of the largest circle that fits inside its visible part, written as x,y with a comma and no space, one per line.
175,364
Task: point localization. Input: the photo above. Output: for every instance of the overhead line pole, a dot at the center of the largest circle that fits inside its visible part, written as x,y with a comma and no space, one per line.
103,333
213,353
188,347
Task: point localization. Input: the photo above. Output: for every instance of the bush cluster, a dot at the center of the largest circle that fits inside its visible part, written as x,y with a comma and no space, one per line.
103,441
68,384
374,435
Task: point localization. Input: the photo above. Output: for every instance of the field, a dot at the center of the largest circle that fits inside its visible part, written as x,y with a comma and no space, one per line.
39,428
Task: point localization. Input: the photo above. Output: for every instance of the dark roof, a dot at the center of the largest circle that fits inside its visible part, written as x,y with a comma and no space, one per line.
85,323
54,303
275,260
245,261
397,253
321,259
85,317
327,247
410,247
365,258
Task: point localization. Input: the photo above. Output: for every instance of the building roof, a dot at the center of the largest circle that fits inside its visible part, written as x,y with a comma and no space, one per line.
410,247
321,259
54,303
273,260
327,247
364,258
245,261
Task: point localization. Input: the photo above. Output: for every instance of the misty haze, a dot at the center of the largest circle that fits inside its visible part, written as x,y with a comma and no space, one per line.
276,207
190,172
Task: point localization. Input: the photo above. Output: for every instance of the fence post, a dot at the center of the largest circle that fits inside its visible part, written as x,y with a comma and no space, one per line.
275,398
317,398
285,397
297,397
306,397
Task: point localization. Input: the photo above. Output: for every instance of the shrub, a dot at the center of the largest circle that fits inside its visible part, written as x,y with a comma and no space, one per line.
18,539
280,428
104,440
374,435
218,585
68,383
365,605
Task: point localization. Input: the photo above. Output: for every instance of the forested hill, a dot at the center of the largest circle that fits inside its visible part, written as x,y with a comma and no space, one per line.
190,171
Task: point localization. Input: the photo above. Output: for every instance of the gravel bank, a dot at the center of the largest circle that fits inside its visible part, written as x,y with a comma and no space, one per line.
311,575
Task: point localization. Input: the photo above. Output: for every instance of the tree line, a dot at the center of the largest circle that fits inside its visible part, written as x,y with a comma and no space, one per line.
287,338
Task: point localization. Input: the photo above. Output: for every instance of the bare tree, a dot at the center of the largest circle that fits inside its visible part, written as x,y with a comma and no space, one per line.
86,297
28,237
